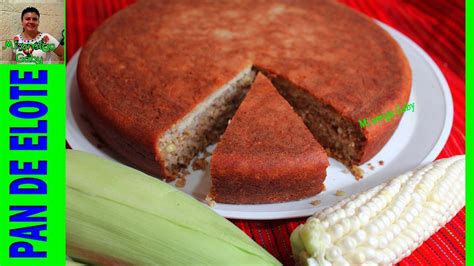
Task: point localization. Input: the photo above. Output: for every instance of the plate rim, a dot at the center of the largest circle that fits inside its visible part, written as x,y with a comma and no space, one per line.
445,89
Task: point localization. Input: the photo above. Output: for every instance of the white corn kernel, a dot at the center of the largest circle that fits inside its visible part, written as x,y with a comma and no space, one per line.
360,235
333,253
349,243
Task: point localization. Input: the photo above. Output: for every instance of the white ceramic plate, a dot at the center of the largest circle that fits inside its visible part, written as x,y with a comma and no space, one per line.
418,140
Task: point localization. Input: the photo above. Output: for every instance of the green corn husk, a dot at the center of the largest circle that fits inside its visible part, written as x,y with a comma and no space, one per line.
120,215
73,263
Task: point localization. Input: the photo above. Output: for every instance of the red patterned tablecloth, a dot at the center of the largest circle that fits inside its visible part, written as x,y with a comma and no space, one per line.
438,26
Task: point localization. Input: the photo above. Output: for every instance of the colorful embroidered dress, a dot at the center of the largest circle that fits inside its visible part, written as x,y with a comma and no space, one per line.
36,51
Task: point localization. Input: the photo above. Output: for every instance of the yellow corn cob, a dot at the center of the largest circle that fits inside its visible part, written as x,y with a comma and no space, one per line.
386,223
119,216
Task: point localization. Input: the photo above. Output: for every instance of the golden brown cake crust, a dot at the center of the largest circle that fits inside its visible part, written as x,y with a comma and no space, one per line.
266,153
149,65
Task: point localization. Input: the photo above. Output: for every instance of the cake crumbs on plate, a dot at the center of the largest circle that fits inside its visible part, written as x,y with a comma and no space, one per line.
170,179
210,201
207,154
180,182
178,174
371,167
315,202
381,162
199,164
357,172
340,193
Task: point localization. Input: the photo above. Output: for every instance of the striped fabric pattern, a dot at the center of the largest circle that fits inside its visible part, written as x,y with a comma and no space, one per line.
438,26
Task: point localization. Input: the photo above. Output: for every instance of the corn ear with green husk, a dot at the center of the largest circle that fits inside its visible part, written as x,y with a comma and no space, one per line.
117,215
386,223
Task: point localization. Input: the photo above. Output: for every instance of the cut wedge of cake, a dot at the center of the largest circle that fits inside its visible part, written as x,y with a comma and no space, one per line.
266,153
